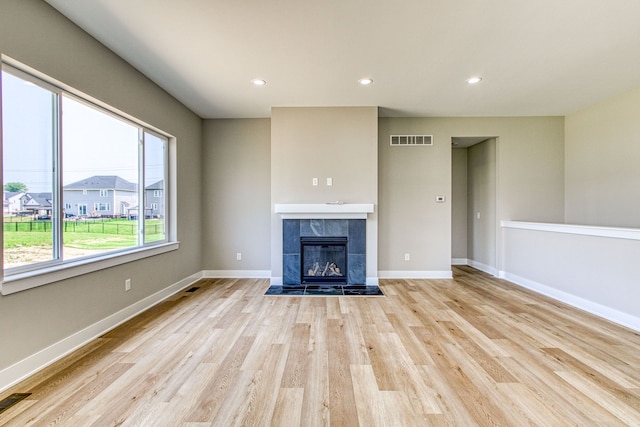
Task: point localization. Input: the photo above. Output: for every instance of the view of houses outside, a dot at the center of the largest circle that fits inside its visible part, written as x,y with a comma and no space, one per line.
104,196
99,202
92,224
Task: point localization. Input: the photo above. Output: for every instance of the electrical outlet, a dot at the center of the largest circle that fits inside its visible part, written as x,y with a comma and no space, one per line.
314,181
407,257
238,256
329,181
127,285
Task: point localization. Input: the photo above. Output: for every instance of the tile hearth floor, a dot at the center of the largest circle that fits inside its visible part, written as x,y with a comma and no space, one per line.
327,290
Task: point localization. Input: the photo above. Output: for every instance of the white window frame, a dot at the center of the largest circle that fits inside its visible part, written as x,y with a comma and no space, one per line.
104,193
157,193
65,269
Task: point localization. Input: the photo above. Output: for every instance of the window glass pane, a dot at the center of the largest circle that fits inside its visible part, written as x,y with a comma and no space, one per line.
100,176
155,149
80,180
28,139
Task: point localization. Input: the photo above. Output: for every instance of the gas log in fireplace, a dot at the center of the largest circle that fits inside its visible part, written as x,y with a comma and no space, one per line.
323,260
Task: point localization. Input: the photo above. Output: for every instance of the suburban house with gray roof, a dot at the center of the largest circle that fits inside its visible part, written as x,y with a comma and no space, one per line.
100,196
38,204
12,202
154,199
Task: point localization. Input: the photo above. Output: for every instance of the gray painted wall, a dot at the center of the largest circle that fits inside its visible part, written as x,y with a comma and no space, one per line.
37,35
481,198
236,197
459,203
410,178
602,149
529,177
595,273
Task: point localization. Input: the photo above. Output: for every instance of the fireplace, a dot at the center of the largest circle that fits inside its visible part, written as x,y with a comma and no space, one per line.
338,246
323,260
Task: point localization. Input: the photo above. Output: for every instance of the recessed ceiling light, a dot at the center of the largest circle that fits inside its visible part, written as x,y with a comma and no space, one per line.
474,80
365,81
259,82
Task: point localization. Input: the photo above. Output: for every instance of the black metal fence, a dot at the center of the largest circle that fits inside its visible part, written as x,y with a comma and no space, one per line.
101,227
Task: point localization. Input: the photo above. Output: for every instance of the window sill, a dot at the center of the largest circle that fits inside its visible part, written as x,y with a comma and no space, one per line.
23,281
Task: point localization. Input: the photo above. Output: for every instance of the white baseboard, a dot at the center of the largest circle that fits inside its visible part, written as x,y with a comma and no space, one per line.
459,261
45,357
600,310
432,274
483,267
236,274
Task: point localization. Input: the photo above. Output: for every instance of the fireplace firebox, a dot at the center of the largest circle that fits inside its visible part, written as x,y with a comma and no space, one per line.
323,260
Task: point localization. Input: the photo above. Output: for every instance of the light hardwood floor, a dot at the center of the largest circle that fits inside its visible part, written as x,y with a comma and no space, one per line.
470,351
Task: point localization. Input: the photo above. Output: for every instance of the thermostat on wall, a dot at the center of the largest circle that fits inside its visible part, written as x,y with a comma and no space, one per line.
440,199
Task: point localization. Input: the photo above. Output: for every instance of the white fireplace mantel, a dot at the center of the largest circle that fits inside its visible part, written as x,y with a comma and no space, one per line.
323,210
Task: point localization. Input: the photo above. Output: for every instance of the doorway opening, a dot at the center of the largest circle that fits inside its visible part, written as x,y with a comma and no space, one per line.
473,202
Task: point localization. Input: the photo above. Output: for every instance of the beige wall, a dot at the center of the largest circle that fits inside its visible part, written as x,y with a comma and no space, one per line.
303,144
602,149
410,178
236,200
459,203
529,175
481,197
529,159
324,142
35,34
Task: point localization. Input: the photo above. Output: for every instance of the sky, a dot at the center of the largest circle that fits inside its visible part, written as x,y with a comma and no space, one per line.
94,143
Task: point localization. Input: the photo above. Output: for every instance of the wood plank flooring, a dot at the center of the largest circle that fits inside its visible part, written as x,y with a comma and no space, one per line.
474,350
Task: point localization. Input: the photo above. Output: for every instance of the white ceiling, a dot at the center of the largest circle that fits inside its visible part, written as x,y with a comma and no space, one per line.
542,57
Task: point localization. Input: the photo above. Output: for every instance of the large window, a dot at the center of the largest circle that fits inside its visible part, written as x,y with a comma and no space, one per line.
89,181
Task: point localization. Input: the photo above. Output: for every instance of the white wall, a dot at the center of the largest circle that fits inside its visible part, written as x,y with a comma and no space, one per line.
34,33
602,150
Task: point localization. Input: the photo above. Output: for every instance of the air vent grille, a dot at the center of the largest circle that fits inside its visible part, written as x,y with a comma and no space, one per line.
411,140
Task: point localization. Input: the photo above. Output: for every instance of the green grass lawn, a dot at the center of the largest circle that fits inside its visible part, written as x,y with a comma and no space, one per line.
75,240
97,235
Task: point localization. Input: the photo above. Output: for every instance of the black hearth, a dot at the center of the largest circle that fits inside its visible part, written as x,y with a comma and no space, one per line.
323,260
